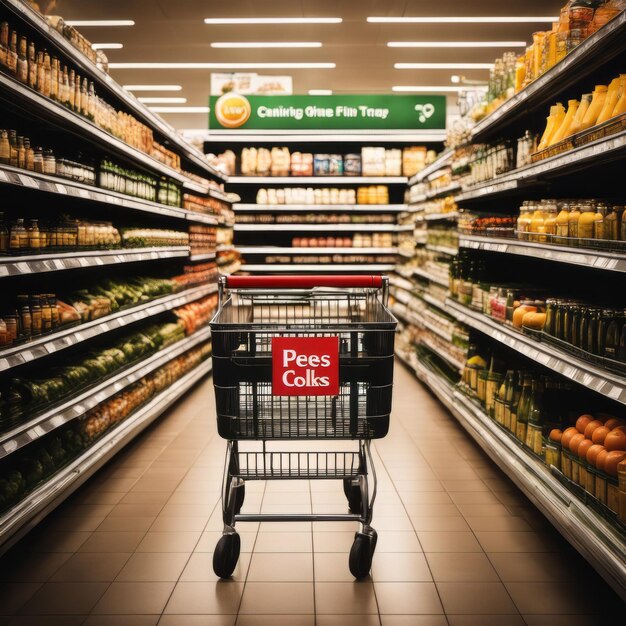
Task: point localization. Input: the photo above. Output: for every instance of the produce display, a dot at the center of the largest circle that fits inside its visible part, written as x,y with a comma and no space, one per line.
197,274
334,258
358,240
23,471
53,79
197,314
210,206
374,194
370,162
442,237
153,237
202,239
487,224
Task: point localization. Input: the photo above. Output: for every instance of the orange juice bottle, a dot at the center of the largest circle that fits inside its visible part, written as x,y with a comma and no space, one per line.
562,223
523,221
574,214
597,102
537,225
550,220
586,221
620,106
562,132
549,129
559,118
583,107
609,103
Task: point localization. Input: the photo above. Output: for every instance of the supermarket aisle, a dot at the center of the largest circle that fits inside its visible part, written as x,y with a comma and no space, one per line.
458,544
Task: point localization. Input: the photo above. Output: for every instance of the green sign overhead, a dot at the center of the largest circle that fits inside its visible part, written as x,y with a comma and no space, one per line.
349,112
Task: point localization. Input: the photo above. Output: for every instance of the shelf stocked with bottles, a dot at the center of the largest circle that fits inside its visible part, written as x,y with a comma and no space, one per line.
316,267
305,227
318,180
55,40
313,250
315,208
599,541
580,64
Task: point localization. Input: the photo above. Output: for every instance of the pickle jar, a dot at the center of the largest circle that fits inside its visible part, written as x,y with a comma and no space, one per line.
592,330
606,318
550,323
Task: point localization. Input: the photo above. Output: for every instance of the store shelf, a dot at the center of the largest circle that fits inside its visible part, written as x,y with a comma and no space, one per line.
599,259
313,250
224,248
580,63
57,416
442,354
442,249
418,201
588,532
442,334
405,228
88,68
16,522
35,264
378,228
443,191
317,180
441,160
437,217
601,381
314,208
55,342
440,304
312,267
209,256
432,278
22,96
592,155
24,179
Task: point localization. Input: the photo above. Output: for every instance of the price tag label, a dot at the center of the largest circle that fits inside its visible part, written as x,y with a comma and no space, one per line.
61,188
3,177
4,270
10,446
27,181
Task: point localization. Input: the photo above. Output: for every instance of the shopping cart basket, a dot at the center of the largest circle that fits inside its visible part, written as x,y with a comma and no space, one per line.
302,358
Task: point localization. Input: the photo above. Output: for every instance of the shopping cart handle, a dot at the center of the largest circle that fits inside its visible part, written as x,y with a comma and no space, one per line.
302,282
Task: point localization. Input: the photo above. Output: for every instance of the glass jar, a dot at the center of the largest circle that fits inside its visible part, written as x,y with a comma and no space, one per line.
550,323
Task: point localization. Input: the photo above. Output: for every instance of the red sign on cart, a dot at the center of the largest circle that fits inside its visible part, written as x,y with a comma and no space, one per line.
305,366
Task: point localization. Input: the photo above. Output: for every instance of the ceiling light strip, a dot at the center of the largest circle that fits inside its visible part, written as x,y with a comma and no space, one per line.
320,92
153,87
266,44
107,46
167,109
158,100
100,22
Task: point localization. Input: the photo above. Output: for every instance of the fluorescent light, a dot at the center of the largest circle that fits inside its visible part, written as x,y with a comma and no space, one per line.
461,20
266,44
153,87
320,92
432,88
273,20
107,46
455,78
100,22
156,100
179,109
438,66
220,66
456,44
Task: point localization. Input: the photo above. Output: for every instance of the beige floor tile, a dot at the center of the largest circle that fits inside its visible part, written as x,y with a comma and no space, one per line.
126,524
402,567
64,599
414,620
139,598
485,620
178,524
441,524
87,524
539,598
484,510
87,567
408,599
425,497
277,599
32,568
281,567
418,486
515,542
209,540
276,620
61,541
395,542
333,567
475,598
84,510
191,598
136,509
461,567
536,567
347,620
432,510
286,542
199,568
129,620
449,542
474,497
465,485
345,598
197,620
187,510
153,567
169,542
155,484
495,524
145,497
112,542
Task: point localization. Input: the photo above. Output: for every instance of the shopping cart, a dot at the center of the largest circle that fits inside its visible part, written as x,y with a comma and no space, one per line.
302,358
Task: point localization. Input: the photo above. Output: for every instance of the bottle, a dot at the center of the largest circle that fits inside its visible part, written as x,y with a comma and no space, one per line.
26,320
30,155
507,399
592,330
12,53
522,408
49,162
559,118
38,160
612,223
600,225
4,236
612,337
583,107
562,224
84,98
605,320
21,153
574,216
92,103
515,403
66,87
34,240
78,107
54,308
36,316
563,130
551,123
4,43
534,419
46,314
620,106
71,89
32,66
21,72
610,101
621,350
586,221
54,79
4,339
46,87
5,148
12,328
18,238
597,102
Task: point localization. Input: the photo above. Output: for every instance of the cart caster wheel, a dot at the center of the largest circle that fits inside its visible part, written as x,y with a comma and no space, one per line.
361,554
240,497
226,555
353,494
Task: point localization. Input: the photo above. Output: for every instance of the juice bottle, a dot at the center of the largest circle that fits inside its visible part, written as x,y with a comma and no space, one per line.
523,222
562,223
563,130
547,133
600,224
597,102
559,117
550,221
574,214
612,224
586,221
611,100
620,106
583,107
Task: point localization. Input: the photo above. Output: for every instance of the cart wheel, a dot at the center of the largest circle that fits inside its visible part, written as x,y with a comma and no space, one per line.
353,494
240,497
361,554
226,555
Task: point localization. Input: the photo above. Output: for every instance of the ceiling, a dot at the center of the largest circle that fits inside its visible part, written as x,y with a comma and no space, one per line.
174,31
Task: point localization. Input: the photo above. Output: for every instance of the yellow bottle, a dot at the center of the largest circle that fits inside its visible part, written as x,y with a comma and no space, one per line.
585,101
610,101
537,225
597,102
550,221
563,130
586,221
559,118
620,107
562,223
574,214
549,129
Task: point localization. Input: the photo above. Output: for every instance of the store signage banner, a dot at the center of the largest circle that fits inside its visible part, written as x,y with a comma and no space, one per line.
305,366
235,111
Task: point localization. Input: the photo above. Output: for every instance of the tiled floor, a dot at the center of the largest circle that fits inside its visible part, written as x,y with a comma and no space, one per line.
458,543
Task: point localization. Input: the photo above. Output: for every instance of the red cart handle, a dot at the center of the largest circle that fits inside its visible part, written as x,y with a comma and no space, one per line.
302,282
